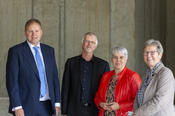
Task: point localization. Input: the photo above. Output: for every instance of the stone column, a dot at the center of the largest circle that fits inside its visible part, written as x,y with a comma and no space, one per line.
123,28
150,23
51,15
13,15
170,35
82,16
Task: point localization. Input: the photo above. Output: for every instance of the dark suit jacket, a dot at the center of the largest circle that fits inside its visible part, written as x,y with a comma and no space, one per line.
22,78
71,85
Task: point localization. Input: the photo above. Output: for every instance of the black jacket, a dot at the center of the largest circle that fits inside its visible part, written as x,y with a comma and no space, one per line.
71,86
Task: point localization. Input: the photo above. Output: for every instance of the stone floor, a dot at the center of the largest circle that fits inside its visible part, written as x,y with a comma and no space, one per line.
4,103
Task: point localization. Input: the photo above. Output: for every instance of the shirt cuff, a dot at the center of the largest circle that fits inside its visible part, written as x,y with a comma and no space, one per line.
16,108
57,104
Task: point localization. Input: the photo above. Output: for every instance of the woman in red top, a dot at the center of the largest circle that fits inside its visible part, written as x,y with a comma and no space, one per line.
118,87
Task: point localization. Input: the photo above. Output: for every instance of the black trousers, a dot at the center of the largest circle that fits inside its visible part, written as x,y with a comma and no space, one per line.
88,110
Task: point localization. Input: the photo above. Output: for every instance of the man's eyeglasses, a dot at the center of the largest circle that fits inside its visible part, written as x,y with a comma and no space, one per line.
149,52
91,42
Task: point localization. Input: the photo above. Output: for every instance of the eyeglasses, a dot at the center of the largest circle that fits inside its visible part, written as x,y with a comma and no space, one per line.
149,52
118,57
91,42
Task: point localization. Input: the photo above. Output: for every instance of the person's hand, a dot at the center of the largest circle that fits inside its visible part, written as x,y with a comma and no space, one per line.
19,112
105,106
65,115
134,114
114,106
57,110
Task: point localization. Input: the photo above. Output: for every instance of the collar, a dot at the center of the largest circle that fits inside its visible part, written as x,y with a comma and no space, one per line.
124,69
159,67
31,45
120,74
92,60
154,69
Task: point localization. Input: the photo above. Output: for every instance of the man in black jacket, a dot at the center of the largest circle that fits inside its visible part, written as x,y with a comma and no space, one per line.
81,79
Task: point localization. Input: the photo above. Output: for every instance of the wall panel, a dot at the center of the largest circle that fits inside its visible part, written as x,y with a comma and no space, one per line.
150,23
51,14
82,16
123,28
170,39
13,15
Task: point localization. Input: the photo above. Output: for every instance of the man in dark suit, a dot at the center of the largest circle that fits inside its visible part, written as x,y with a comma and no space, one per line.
81,79
32,76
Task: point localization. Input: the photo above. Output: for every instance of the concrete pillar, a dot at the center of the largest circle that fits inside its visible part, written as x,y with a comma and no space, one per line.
13,15
123,28
150,23
51,15
170,35
82,16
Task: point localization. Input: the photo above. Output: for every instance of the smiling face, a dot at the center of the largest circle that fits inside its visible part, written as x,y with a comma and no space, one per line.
151,56
33,33
119,61
89,44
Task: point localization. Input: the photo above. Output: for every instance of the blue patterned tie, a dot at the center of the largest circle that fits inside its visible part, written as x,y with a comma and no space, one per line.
41,72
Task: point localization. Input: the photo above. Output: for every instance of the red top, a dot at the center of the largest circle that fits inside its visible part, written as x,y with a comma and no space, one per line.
128,84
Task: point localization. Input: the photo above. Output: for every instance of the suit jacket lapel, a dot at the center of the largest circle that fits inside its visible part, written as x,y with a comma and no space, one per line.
93,79
45,58
79,60
30,59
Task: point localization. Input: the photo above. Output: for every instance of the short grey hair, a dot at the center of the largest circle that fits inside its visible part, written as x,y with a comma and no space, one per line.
120,49
90,34
153,42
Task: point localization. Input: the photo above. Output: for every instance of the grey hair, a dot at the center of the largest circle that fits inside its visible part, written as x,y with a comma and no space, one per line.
120,49
152,42
90,34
